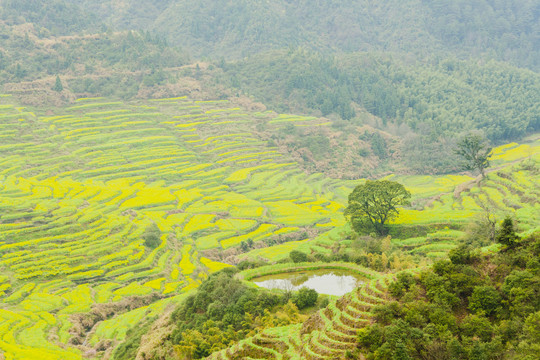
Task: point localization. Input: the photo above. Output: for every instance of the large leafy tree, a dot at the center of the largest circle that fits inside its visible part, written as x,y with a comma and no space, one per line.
475,153
373,204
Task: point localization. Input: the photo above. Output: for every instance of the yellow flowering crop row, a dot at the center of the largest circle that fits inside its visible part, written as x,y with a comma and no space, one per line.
149,196
154,284
235,224
198,222
185,264
213,266
255,235
212,241
287,118
277,252
289,213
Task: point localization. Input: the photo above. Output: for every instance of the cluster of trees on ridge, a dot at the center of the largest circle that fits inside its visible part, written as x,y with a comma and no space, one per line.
92,64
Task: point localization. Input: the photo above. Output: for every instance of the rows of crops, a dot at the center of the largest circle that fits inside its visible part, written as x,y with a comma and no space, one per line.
512,190
79,187
442,206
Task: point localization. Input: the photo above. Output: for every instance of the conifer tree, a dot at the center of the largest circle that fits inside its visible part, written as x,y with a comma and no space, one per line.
507,235
58,87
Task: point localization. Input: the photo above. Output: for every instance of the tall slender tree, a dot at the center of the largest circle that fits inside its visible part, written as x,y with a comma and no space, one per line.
58,87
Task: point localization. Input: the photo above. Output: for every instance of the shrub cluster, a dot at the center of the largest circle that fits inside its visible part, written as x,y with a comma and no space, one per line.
224,310
468,307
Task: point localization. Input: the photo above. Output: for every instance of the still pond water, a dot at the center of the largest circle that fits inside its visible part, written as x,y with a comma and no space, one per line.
324,281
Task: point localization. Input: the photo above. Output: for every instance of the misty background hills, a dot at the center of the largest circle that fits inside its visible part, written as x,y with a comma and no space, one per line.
418,73
503,30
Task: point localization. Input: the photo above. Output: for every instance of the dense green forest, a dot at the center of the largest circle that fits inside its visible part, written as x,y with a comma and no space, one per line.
505,30
437,98
471,306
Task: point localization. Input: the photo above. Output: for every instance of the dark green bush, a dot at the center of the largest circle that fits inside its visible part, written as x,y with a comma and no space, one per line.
485,300
298,256
151,236
305,298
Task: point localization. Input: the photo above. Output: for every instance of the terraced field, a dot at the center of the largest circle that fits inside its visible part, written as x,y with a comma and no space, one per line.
327,334
79,186
78,190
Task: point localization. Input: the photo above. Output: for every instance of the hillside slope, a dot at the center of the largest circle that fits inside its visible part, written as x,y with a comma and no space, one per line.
438,98
507,31
82,187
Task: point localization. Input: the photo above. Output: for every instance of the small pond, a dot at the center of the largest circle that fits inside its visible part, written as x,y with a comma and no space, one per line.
324,281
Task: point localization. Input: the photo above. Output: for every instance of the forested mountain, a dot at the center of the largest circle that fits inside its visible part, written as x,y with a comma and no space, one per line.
504,30
442,97
507,30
